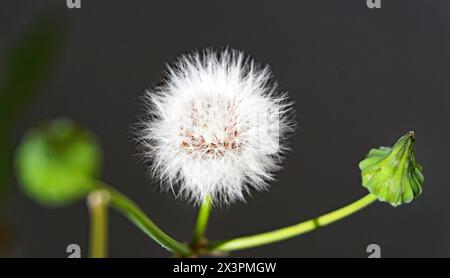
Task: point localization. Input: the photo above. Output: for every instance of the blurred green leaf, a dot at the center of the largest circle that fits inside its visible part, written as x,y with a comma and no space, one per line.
5,156
393,174
28,64
57,163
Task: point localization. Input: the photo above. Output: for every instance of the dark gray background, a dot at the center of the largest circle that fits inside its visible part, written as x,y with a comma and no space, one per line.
360,78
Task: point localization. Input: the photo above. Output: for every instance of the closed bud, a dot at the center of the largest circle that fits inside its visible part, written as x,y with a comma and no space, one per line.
392,174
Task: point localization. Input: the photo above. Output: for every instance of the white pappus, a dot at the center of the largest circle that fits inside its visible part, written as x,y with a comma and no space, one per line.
216,127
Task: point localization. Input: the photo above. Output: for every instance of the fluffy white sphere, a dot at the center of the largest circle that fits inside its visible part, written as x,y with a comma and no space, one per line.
216,126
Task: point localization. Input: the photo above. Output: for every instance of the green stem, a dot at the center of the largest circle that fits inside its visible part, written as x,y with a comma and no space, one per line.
98,209
130,210
291,231
202,220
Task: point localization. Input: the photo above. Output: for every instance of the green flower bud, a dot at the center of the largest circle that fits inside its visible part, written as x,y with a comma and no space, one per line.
392,174
57,162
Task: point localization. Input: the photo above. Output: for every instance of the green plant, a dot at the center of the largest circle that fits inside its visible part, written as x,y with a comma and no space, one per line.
58,163
27,65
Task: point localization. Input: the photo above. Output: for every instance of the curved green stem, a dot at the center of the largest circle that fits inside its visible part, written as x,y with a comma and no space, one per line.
291,231
130,210
98,210
202,220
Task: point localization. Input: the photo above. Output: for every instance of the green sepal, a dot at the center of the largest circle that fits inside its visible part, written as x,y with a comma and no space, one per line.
392,174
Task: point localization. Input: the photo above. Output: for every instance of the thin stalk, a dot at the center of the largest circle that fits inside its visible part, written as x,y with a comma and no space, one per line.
130,210
98,209
202,220
291,231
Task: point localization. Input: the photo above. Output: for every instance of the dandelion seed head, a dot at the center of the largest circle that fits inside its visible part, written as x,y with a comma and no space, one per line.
216,127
